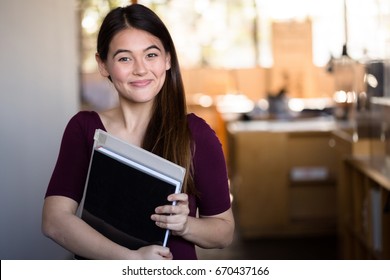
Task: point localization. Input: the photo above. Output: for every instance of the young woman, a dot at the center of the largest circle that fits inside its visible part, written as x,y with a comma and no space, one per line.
136,53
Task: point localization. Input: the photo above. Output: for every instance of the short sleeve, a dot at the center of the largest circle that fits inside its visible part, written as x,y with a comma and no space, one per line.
70,171
210,172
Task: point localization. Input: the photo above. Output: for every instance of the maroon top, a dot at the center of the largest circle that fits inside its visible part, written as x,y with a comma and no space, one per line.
210,174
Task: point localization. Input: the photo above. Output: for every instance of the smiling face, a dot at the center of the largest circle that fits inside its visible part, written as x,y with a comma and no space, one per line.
137,65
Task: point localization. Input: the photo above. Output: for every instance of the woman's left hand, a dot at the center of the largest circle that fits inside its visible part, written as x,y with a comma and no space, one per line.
173,217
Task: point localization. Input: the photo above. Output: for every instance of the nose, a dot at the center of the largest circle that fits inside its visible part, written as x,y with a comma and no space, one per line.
139,67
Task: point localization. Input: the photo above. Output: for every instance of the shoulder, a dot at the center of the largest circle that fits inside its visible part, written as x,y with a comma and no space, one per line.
85,116
83,125
85,120
196,124
201,132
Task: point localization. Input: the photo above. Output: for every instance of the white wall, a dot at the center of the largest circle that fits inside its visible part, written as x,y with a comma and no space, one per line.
38,94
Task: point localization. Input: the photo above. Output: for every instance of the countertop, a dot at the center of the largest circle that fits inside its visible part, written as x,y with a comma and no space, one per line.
296,125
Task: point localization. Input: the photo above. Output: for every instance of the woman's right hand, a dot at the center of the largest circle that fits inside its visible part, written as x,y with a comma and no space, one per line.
154,252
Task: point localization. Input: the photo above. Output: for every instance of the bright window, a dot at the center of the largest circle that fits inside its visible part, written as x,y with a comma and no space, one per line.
236,34
223,33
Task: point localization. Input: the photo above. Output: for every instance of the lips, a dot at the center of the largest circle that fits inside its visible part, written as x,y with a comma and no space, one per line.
140,83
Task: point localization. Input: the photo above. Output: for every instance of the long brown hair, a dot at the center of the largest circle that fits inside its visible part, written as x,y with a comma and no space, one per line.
167,134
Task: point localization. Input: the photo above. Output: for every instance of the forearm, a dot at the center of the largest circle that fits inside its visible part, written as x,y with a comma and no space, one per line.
76,236
210,232
85,241
60,223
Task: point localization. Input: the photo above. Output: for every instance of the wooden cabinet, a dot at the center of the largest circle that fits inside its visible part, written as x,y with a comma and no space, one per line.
283,181
366,220
363,199
312,199
259,181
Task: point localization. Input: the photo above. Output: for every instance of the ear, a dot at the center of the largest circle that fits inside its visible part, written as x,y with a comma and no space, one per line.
102,66
168,62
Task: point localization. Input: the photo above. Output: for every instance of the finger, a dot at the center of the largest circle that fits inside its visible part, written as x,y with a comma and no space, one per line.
179,197
166,254
168,209
162,225
173,222
159,218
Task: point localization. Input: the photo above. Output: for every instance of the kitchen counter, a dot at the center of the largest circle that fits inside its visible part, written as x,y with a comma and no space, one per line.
298,125
284,175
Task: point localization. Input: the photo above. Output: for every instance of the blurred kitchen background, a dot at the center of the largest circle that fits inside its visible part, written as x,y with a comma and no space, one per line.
298,92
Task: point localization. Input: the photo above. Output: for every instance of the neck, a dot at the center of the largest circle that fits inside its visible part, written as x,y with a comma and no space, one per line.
129,121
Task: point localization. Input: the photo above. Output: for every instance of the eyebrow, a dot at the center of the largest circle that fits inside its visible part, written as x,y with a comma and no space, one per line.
128,51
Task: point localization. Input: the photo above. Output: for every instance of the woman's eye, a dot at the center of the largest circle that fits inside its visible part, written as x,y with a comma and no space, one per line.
150,55
125,59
